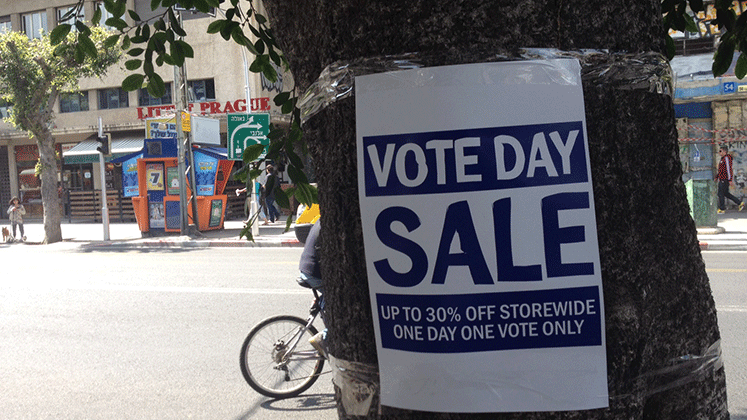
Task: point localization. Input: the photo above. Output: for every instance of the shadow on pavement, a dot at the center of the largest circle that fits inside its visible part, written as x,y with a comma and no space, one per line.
304,403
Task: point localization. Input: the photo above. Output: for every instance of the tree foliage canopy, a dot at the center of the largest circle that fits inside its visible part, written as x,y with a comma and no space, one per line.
33,71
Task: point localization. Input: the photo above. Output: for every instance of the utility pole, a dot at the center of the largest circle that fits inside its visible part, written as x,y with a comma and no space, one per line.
184,150
251,191
102,164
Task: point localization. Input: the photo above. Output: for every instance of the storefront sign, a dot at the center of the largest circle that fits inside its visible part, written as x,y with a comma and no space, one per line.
480,238
239,105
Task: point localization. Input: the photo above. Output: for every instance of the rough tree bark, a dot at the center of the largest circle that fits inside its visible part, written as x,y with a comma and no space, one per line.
657,297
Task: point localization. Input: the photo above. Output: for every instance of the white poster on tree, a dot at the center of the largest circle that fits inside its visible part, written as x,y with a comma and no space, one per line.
480,238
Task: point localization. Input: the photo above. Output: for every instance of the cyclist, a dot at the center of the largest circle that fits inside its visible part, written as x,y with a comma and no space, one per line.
311,275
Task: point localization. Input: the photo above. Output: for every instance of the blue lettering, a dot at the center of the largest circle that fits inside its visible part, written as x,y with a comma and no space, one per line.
387,237
555,236
507,271
458,220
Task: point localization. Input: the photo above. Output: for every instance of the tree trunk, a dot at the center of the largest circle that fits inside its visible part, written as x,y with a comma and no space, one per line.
49,185
657,297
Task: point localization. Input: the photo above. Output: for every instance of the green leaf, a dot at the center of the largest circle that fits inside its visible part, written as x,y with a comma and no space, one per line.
252,152
119,8
126,42
154,4
186,48
160,25
116,23
690,26
294,159
135,52
288,106
723,57
89,48
282,198
133,64
111,41
281,98
741,68
216,26
175,26
260,19
133,82
297,175
59,33
156,86
96,15
177,54
670,48
696,5
79,55
259,46
134,16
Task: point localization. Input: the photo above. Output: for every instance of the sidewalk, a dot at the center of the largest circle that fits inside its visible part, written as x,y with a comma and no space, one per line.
128,235
730,235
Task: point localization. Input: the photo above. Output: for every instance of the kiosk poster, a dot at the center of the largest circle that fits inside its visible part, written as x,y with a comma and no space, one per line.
216,213
154,176
480,238
172,178
205,172
129,177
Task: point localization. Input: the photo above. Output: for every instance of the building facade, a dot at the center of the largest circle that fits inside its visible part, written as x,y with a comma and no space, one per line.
217,87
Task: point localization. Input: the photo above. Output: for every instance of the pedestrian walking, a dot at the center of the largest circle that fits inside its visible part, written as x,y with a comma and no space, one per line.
725,177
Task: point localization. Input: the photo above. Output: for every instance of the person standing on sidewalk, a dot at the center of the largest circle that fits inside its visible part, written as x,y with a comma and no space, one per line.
271,183
15,213
725,177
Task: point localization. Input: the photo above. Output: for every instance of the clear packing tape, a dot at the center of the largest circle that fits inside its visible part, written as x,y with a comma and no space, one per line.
645,71
359,382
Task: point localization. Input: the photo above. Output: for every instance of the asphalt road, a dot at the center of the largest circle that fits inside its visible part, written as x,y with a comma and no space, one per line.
156,334
143,335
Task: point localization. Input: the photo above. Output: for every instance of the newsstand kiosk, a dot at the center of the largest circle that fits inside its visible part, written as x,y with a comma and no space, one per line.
151,178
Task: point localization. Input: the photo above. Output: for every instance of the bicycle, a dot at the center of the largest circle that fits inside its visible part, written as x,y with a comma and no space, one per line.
277,359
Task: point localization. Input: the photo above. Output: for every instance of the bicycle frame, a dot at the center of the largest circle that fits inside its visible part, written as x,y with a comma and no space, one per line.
314,311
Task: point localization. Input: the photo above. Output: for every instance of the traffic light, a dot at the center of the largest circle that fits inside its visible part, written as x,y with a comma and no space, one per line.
105,143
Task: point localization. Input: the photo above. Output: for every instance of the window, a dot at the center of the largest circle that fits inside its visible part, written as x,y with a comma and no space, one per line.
144,98
34,23
113,98
5,24
70,15
73,102
201,90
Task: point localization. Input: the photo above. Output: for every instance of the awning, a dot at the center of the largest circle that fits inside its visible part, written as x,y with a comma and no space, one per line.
85,151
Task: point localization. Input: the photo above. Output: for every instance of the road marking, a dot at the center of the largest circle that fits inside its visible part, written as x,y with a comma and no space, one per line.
731,308
166,289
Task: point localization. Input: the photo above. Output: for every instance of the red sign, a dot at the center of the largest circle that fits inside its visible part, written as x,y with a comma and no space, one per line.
239,105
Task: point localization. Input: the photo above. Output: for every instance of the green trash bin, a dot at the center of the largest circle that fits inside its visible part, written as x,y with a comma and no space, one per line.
701,194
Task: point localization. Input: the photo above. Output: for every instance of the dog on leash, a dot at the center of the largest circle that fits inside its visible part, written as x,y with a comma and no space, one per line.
6,235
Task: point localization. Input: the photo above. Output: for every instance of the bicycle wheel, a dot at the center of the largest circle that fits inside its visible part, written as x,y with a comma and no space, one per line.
267,364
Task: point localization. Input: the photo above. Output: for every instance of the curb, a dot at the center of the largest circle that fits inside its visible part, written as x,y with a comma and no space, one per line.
723,246
100,245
